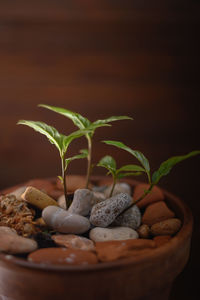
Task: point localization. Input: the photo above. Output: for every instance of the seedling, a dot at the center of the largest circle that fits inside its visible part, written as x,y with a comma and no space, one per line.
163,170
109,163
83,123
61,142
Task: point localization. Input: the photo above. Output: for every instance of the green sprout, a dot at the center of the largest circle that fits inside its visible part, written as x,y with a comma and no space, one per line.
61,142
109,163
83,123
163,170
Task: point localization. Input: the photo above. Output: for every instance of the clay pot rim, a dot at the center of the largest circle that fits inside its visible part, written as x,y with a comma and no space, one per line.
164,250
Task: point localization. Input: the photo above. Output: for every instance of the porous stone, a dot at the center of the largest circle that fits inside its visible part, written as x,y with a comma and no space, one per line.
37,198
155,195
144,231
73,241
12,243
18,192
157,212
166,227
105,212
63,256
99,234
64,221
120,187
82,202
130,218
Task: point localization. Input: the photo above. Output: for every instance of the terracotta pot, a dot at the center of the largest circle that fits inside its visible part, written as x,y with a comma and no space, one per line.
144,277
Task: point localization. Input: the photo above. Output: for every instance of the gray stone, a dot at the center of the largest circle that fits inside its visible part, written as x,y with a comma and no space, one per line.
64,221
105,212
99,234
120,187
18,192
130,218
82,202
61,202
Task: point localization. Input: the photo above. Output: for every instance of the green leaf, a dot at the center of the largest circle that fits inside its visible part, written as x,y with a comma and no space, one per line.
131,168
137,154
61,179
50,132
111,119
167,165
109,163
84,154
77,119
74,135
122,175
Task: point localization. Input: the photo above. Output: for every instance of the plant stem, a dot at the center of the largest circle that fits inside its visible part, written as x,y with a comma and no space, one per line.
113,186
89,160
64,180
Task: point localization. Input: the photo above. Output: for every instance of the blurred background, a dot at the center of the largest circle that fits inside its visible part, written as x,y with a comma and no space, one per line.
103,58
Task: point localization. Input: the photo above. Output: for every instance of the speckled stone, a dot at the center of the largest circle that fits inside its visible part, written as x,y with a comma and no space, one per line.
120,187
130,218
99,234
73,241
104,213
64,221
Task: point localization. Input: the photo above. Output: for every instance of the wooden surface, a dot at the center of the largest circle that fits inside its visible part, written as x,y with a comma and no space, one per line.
103,58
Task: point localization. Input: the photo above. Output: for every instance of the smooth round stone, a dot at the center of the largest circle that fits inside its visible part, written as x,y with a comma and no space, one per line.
61,201
82,202
99,234
12,243
120,187
64,221
73,241
166,227
130,218
105,212
18,192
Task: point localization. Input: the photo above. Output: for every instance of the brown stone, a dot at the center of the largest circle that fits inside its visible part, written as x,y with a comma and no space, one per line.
74,241
74,182
157,212
166,227
144,231
113,250
63,256
154,196
161,240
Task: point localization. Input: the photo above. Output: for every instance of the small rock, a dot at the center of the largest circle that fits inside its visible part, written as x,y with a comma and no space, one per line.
161,239
157,212
37,198
63,256
73,241
166,227
144,231
61,202
99,189
130,218
155,195
113,250
105,212
82,202
97,198
74,182
12,243
64,221
99,234
120,187
18,192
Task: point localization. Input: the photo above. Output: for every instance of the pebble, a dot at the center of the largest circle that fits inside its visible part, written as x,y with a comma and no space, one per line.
74,182
130,218
63,256
64,221
99,234
73,241
161,239
120,187
105,212
18,192
157,212
82,202
113,250
12,243
155,195
144,231
166,227
37,198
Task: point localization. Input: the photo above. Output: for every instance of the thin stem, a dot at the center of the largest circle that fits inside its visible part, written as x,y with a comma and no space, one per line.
89,160
113,186
64,180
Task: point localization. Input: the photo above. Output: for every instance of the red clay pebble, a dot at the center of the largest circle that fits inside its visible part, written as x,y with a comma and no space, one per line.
154,196
63,256
113,250
157,212
167,227
161,239
74,182
73,241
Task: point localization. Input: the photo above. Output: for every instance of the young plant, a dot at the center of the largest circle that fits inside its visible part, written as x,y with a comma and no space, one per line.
83,123
109,163
163,170
61,142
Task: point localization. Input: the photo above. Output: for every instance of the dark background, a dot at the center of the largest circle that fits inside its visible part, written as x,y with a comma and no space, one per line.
103,58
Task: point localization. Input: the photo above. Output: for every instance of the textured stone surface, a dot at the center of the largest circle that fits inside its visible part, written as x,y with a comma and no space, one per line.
144,231
74,241
82,202
167,227
63,256
154,196
130,218
63,221
99,234
120,187
157,212
12,243
104,213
